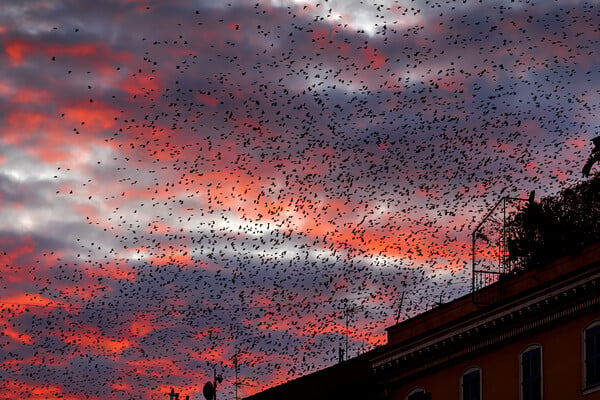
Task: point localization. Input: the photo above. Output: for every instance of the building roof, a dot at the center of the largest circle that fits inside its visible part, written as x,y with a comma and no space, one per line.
351,379
505,290
526,301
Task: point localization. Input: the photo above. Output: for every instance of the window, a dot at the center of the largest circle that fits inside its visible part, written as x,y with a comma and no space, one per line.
591,346
471,384
418,394
531,373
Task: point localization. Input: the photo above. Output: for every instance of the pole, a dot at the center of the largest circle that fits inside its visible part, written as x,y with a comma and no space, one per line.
347,321
473,263
235,365
400,308
503,240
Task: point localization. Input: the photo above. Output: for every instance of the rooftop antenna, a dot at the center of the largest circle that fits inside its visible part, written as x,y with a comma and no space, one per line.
348,311
441,302
235,366
210,388
399,308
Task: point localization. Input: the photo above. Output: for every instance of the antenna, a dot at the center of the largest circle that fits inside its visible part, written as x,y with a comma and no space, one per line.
441,302
237,383
210,388
348,311
235,366
399,308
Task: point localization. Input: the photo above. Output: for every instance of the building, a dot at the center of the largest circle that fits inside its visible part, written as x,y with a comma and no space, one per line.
351,379
529,336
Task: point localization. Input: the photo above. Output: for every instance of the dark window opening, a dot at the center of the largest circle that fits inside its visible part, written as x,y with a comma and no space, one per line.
531,378
471,389
592,356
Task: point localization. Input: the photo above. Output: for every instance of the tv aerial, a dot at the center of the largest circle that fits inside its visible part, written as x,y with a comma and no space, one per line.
210,388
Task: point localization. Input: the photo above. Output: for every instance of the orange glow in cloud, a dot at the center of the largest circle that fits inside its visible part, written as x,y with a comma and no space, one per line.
18,249
82,292
207,99
93,339
18,49
116,272
50,155
562,176
86,50
374,58
120,386
141,84
97,116
20,337
30,299
6,89
215,354
206,333
116,345
51,136
20,122
31,96
318,220
172,255
156,367
576,142
16,390
320,34
141,325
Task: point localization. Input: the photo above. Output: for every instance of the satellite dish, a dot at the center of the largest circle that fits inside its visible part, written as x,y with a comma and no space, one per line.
209,391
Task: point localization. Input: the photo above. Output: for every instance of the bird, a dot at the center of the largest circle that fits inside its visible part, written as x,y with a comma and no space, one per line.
185,183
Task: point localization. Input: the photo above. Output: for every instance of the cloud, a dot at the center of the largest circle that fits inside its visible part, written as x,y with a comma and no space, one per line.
179,183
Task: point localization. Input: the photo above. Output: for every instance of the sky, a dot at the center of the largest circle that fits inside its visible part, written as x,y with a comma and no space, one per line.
182,182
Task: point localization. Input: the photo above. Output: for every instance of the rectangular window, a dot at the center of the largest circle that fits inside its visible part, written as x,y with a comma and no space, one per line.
471,389
531,374
592,356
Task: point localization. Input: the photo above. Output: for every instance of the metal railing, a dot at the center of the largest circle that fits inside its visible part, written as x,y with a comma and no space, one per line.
490,254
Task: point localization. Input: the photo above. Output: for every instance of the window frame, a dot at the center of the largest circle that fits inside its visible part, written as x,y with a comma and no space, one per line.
418,389
466,372
526,350
596,386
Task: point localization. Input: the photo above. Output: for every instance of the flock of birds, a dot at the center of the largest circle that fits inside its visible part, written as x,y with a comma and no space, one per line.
277,171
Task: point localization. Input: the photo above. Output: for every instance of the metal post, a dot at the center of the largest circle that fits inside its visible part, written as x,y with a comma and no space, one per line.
503,255
235,365
400,308
347,320
473,264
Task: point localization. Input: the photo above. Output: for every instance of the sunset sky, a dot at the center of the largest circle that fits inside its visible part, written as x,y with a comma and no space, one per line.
181,181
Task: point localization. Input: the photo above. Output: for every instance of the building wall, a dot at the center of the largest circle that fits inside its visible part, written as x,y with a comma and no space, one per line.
562,363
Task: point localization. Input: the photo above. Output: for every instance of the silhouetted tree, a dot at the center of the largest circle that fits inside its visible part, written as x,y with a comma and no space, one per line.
556,226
